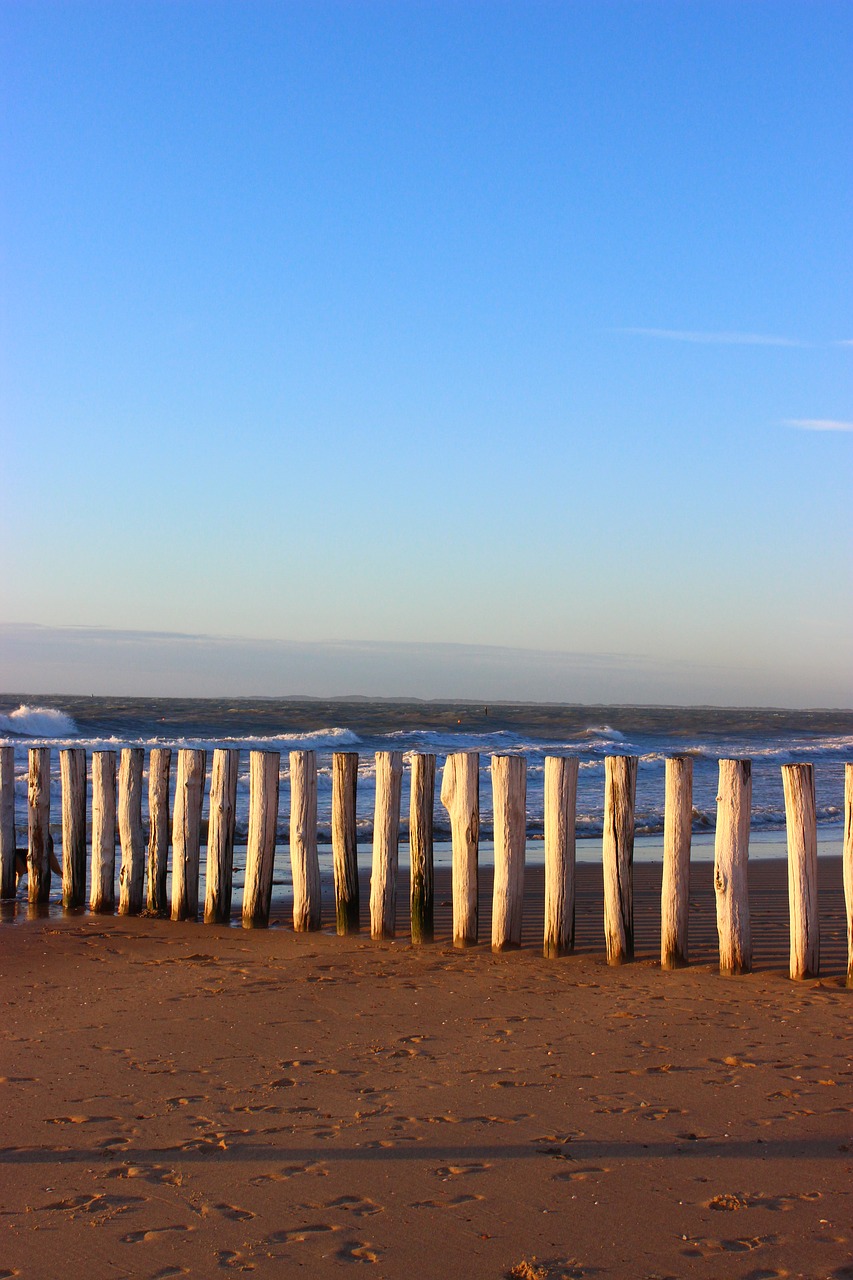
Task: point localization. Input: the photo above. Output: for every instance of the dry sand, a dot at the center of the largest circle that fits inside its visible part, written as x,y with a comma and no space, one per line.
184,1100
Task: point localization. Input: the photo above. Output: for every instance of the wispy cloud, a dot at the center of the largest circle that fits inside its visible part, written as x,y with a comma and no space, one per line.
717,339
818,424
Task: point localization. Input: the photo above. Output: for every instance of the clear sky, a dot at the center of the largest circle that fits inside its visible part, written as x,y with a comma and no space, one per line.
430,324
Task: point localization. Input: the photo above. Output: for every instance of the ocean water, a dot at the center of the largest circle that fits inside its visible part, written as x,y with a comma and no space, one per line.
769,738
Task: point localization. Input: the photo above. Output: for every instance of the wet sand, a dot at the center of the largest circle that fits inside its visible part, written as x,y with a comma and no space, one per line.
215,1101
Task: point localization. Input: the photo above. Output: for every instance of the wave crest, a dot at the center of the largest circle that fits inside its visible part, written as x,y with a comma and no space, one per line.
38,722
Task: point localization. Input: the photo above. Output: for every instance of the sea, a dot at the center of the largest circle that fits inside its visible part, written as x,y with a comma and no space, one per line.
768,737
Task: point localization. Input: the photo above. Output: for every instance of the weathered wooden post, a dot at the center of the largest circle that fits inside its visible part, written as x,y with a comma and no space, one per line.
386,833
801,821
159,828
731,857
264,769
8,879
72,771
421,847
509,805
620,788
345,840
675,883
460,795
220,835
102,890
304,863
131,878
186,832
38,825
847,860
561,786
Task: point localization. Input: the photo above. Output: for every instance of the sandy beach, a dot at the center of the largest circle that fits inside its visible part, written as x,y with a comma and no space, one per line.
212,1099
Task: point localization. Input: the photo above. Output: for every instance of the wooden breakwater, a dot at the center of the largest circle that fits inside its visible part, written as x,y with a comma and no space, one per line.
117,782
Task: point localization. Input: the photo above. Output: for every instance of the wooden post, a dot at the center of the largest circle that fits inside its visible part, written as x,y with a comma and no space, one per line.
675,883
620,788
8,879
801,821
345,840
131,878
72,771
847,865
561,786
38,826
509,805
186,832
731,855
386,832
420,848
460,795
264,767
220,835
159,827
304,863
102,891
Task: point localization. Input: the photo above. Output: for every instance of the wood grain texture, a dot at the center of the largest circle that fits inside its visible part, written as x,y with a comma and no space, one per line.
421,877
102,889
131,877
801,823
264,769
72,773
675,883
731,858
304,862
847,867
159,829
219,870
460,795
509,805
620,786
345,841
186,832
8,842
386,833
38,825
561,786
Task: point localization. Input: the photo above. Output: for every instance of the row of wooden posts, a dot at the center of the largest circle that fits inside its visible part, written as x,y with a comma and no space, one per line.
459,795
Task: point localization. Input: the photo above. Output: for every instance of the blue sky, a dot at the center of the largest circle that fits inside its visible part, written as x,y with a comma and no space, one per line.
516,325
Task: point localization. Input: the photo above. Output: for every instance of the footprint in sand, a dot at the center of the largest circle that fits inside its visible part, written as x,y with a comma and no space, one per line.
359,1251
458,1170
359,1206
290,1171
299,1235
578,1175
452,1202
153,1233
232,1212
227,1259
706,1248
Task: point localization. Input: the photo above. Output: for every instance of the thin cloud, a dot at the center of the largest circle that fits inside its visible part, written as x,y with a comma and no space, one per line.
716,339
818,424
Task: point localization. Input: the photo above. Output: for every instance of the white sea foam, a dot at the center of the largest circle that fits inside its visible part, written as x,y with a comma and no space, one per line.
37,722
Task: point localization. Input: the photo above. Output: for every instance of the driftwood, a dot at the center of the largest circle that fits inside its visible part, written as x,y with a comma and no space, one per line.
421,848
386,832
72,772
345,841
561,785
264,769
102,891
219,872
801,821
8,871
186,832
460,795
132,874
509,805
675,883
620,784
159,828
731,855
304,862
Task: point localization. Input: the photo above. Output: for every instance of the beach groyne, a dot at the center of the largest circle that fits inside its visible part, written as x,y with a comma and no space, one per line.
175,825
